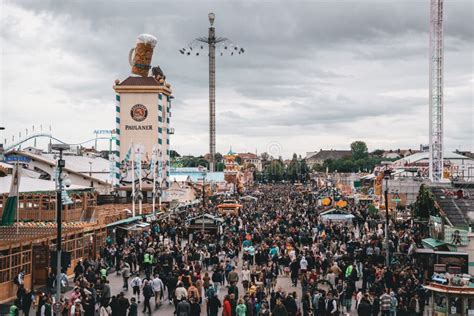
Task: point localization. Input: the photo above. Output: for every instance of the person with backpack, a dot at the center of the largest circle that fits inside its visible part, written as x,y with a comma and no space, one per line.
136,284
19,279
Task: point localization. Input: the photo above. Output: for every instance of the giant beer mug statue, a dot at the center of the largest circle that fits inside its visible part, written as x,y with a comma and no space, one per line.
140,56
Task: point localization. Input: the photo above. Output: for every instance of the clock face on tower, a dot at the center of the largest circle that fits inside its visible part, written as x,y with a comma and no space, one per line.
139,112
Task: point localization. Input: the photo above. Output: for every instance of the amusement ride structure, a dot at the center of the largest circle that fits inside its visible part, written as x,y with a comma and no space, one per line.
224,45
436,131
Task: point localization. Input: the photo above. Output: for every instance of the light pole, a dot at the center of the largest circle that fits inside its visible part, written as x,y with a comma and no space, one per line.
212,42
203,200
387,173
59,208
90,173
2,157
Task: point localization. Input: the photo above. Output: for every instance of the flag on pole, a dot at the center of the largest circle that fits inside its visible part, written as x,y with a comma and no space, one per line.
11,206
153,161
128,154
138,161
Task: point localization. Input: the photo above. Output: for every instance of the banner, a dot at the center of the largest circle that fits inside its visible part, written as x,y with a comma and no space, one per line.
455,236
11,205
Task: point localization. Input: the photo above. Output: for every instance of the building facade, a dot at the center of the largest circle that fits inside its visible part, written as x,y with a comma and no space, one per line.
143,111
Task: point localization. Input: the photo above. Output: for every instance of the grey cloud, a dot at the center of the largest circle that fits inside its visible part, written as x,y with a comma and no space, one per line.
317,58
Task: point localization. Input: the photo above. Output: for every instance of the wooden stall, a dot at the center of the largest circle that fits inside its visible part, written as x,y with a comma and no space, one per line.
42,206
29,249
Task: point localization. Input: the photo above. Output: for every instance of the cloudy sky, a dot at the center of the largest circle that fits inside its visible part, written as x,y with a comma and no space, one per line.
314,74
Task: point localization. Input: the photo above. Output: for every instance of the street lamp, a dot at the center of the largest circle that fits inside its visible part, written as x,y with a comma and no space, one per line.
387,173
90,173
211,17
203,199
1,146
59,208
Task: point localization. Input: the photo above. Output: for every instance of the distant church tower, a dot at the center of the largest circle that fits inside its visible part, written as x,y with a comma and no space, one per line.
232,168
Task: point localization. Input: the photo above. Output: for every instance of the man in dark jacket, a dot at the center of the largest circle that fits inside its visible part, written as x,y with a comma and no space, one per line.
78,270
364,306
213,305
147,295
124,304
183,308
279,309
290,305
294,267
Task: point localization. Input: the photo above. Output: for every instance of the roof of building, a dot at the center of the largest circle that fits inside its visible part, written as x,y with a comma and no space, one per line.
466,153
84,164
140,81
424,155
457,210
78,165
33,185
247,156
331,154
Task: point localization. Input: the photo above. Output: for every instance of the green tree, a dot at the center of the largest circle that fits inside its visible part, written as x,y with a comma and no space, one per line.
238,160
293,170
359,150
424,205
275,170
174,154
218,157
304,169
220,166
378,152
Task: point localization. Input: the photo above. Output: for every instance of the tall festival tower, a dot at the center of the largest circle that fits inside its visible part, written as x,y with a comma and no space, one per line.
143,111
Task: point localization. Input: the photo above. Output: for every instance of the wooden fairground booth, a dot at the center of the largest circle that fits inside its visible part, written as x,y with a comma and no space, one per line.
205,222
28,248
452,300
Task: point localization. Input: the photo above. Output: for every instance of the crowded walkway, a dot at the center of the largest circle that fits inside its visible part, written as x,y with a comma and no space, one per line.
276,257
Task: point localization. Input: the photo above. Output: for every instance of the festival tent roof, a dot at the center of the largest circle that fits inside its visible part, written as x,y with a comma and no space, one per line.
368,177
424,155
432,243
208,216
334,211
34,185
249,198
336,214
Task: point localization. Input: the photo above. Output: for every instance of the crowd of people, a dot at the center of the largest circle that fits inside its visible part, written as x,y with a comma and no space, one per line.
276,257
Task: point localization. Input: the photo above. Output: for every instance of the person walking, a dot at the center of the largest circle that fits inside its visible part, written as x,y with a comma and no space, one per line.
147,295
385,302
158,287
213,305
125,275
227,306
183,308
279,309
136,285
241,309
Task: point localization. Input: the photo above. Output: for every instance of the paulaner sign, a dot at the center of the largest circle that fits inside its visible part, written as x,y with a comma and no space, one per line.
138,127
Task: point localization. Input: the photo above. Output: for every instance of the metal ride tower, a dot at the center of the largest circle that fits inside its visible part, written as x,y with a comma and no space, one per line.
436,91
223,44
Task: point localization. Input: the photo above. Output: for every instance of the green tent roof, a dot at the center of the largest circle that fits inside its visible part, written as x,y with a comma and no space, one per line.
432,243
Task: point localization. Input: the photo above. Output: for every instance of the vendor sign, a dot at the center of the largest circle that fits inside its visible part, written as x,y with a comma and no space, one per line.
455,236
